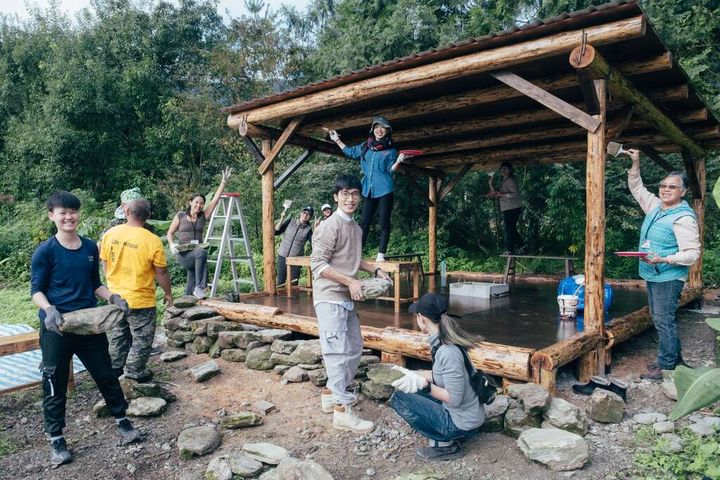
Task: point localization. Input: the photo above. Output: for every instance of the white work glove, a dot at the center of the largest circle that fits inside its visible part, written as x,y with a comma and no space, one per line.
401,158
173,249
334,136
411,382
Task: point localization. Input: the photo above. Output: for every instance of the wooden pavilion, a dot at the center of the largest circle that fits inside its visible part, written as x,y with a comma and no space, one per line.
552,91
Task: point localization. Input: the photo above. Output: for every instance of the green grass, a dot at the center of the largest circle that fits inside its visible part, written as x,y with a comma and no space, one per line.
16,307
7,447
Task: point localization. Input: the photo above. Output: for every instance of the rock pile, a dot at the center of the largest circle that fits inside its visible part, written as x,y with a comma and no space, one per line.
272,462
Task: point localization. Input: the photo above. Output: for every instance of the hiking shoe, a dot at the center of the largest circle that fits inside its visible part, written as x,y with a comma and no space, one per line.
681,362
143,377
439,453
345,419
128,433
652,374
59,453
327,402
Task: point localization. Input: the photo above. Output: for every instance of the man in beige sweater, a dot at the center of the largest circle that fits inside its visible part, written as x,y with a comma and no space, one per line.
335,261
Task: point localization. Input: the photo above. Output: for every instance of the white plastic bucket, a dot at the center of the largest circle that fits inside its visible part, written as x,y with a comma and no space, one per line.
568,305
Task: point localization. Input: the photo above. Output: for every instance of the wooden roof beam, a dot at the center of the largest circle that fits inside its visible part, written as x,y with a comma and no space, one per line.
259,131
281,142
467,98
619,86
557,105
444,70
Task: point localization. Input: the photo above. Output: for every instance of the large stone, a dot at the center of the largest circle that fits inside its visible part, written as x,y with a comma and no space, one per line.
200,327
218,469
204,371
227,339
673,443
293,469
310,366
233,355
174,323
241,420
146,407
566,416
249,327
199,312
377,391
198,441
174,311
185,302
259,359
281,369
265,452
664,427
318,377
184,336
173,355
295,375
649,418
254,344
239,339
100,409
218,325
558,449
669,389
308,352
384,374
151,389
264,407
495,414
366,360
270,335
172,343
605,406
285,346
214,351
242,465
280,358
517,420
701,429
534,398
202,344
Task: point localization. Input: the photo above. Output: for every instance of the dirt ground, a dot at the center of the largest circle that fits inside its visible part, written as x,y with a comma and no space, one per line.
299,426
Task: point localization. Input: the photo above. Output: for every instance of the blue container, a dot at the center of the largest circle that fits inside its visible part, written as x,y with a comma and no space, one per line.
575,285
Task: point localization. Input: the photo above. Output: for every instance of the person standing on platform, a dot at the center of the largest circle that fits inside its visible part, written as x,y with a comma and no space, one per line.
65,277
378,160
510,206
132,258
190,227
335,261
671,236
296,232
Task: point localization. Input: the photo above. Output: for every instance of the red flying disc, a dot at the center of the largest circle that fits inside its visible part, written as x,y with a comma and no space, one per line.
411,153
632,254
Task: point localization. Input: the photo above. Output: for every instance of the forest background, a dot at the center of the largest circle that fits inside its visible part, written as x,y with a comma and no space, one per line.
129,94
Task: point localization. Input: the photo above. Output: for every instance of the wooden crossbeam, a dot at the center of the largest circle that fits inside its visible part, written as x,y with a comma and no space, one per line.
280,143
546,98
655,156
692,173
619,86
254,150
315,144
616,127
455,180
292,168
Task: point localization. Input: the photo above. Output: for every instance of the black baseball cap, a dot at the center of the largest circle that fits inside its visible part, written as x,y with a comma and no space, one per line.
309,209
431,305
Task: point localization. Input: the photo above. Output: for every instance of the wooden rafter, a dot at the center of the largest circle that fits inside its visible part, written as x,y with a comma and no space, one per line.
619,86
655,156
280,143
616,127
292,168
455,180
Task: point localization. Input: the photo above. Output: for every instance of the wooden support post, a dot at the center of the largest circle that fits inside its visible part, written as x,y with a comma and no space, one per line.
692,175
695,276
279,144
292,168
393,358
268,221
593,362
587,87
655,156
432,224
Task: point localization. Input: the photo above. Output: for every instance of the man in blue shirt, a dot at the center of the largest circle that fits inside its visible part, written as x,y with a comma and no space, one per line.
65,277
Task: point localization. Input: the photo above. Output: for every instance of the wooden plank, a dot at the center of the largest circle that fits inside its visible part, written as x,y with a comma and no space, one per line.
546,98
455,180
292,168
432,224
393,358
619,86
23,342
446,70
616,127
279,144
268,221
692,175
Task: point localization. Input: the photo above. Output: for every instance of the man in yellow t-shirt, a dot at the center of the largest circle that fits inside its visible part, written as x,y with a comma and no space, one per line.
132,258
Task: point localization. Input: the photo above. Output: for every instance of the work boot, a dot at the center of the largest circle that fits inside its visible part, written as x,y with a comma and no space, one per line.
144,377
128,433
327,402
595,382
448,452
59,453
345,419
652,374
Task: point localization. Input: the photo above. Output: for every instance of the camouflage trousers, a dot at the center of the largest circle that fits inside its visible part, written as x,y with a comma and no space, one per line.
130,341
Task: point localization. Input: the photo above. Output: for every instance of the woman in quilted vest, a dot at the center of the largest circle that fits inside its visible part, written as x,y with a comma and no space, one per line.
670,236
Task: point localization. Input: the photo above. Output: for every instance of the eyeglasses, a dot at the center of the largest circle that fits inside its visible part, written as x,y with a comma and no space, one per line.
665,186
345,194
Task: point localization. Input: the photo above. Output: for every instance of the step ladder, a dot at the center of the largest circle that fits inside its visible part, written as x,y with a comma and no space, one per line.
227,247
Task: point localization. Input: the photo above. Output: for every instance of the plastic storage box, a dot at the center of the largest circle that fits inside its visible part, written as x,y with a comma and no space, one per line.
479,289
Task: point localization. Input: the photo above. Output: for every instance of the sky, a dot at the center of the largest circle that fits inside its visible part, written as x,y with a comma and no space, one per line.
235,7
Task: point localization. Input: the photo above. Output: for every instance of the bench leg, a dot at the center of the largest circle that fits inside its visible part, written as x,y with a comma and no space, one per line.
309,281
288,281
397,291
416,283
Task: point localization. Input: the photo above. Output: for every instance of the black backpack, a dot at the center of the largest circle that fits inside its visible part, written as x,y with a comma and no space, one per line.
484,385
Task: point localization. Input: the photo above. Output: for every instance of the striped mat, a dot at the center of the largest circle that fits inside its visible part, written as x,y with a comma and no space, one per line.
22,368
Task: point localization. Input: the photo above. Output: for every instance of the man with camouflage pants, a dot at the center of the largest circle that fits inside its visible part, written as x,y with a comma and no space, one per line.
132,257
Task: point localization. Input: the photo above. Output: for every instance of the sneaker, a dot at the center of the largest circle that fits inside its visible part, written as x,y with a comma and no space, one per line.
128,433
345,419
439,453
199,292
327,402
380,257
652,374
59,453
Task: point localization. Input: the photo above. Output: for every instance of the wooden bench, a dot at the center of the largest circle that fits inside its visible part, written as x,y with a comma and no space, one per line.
298,262
511,262
412,255
396,269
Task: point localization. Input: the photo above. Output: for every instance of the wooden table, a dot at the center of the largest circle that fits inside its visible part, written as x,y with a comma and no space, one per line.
396,269
298,262
510,264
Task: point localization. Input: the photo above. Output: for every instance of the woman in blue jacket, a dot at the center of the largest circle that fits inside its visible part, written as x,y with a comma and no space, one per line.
378,160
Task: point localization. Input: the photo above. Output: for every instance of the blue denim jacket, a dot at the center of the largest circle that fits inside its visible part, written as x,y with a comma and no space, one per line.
376,166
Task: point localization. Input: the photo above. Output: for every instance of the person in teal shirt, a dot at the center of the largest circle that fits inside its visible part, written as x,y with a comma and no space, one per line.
378,160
